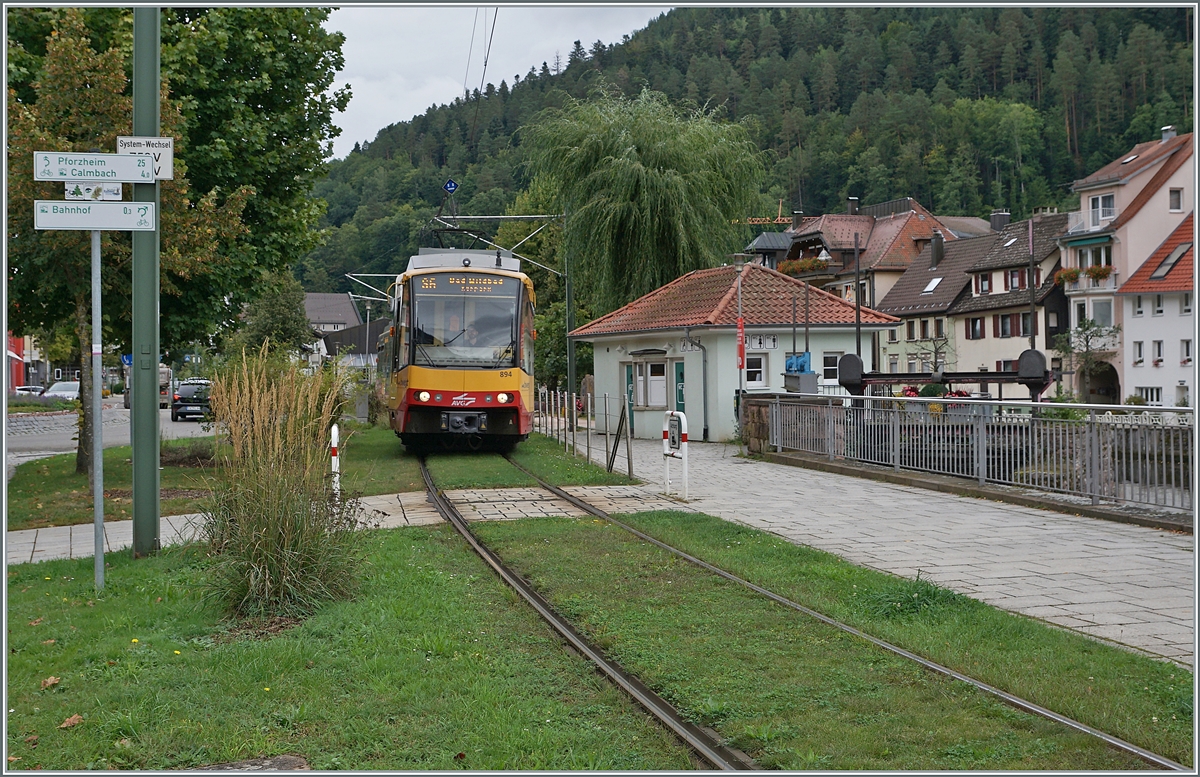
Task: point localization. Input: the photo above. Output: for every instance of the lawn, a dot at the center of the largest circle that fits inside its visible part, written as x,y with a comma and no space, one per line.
434,666
795,693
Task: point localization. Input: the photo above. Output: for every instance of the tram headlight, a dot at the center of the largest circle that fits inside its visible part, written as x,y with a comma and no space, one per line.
423,396
502,398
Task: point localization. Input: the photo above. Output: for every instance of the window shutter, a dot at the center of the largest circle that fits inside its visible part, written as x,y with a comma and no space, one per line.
995,326
1014,324
976,279
999,366
1005,274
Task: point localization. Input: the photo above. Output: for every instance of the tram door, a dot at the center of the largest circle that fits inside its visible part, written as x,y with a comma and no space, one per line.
679,386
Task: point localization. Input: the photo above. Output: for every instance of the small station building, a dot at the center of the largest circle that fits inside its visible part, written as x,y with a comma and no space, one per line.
676,347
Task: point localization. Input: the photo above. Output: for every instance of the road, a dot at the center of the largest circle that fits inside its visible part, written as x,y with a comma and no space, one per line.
31,436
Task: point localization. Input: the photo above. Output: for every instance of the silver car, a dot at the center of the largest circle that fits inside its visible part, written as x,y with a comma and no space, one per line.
64,389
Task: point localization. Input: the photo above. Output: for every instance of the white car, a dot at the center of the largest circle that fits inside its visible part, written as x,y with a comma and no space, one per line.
64,389
28,390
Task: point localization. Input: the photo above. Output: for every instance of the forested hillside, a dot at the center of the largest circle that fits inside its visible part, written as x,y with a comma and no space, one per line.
964,109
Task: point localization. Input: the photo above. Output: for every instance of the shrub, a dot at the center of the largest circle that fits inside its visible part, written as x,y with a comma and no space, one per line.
189,452
1135,399
281,542
932,390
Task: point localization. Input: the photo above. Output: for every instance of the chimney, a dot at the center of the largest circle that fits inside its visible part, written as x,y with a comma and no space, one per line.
1000,220
797,217
1168,132
852,206
936,249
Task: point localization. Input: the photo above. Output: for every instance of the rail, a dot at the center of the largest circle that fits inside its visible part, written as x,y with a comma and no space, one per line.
1141,457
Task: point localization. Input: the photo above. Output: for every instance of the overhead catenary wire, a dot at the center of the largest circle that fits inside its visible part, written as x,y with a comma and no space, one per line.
487,53
470,51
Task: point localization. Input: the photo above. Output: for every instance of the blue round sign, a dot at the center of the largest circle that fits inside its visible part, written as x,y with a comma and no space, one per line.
451,187
127,359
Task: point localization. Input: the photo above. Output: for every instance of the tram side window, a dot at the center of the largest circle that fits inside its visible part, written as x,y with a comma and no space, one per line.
400,346
527,339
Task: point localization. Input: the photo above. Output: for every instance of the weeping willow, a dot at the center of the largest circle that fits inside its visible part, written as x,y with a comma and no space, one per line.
651,191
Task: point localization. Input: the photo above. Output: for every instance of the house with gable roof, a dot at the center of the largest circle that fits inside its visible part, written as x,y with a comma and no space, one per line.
676,347
1127,209
1158,359
993,322
922,300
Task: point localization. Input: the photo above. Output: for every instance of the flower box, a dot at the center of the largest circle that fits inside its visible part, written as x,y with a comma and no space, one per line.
1066,275
1098,273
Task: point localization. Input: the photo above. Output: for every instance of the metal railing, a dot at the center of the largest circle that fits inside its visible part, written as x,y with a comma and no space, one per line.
1094,451
571,420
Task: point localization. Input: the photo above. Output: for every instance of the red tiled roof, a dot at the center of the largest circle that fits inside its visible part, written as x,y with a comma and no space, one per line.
893,243
1179,278
1154,184
1146,154
837,230
709,298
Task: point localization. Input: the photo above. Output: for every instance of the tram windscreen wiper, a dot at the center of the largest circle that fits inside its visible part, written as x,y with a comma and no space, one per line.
506,352
428,358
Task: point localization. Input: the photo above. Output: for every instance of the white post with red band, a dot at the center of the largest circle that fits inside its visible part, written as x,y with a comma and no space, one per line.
337,475
675,446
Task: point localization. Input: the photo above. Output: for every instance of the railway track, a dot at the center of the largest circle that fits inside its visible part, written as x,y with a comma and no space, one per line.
704,742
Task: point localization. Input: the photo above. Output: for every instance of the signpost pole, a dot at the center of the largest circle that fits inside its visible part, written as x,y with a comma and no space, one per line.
144,373
97,409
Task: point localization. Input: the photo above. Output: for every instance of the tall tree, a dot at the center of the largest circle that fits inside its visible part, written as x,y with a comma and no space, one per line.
80,104
650,191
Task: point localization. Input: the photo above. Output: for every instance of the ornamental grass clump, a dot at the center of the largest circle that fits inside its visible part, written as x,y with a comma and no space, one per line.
280,540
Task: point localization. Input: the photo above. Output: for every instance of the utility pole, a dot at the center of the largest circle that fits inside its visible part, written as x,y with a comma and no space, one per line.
857,304
144,374
1032,293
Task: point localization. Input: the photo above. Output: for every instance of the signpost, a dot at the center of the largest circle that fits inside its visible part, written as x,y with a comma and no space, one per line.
162,150
96,168
120,216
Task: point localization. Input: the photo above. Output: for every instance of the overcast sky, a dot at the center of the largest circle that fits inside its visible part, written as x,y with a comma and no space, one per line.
399,61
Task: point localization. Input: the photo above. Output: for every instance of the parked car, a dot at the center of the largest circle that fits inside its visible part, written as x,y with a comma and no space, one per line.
34,390
64,389
190,400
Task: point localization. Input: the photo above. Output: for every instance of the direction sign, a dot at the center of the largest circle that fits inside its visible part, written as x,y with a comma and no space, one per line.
119,216
77,190
162,149
102,168
127,359
450,186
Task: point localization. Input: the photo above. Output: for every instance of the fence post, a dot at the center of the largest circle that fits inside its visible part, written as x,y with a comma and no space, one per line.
333,451
981,445
829,428
607,432
587,423
777,424
895,413
629,443
1093,464
574,425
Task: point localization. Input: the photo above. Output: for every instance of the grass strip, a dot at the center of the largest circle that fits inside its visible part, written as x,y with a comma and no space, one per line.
797,694
546,458
435,666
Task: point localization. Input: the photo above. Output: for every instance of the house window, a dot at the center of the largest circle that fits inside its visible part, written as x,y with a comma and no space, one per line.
939,327
1095,256
1103,208
1139,354
830,361
912,365
975,328
1185,352
894,363
1016,279
1052,319
983,283
1185,304
1005,326
1152,394
651,384
1138,308
1158,304
892,335
1006,365
1176,200
1156,349
924,329
1102,312
911,330
1080,313
1026,324
756,371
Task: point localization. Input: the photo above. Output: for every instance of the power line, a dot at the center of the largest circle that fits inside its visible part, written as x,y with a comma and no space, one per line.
486,54
470,51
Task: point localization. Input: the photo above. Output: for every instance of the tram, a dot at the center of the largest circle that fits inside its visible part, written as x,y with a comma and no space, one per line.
456,366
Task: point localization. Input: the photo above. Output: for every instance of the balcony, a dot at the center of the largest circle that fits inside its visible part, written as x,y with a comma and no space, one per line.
1086,284
1083,221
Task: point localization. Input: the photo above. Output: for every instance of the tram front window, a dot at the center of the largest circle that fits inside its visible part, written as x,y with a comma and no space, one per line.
465,320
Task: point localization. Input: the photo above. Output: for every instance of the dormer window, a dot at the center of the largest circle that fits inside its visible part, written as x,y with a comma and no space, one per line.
983,283
1103,208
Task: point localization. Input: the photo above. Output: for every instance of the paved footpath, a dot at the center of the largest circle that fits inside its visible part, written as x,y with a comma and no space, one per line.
1126,584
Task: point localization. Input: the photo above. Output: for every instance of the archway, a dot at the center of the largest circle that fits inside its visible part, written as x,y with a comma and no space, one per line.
1104,387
